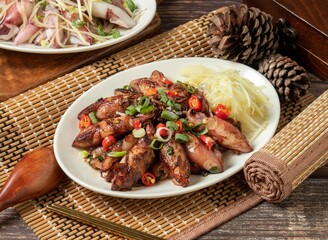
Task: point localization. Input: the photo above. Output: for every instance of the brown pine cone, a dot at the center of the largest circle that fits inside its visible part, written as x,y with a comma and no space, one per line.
242,34
289,79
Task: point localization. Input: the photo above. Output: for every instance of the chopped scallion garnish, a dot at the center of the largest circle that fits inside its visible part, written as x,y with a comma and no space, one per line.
156,145
172,125
131,110
131,5
115,33
181,138
163,96
78,23
84,154
117,154
93,117
147,109
169,115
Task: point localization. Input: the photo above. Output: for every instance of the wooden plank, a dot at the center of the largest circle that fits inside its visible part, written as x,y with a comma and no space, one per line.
308,19
23,71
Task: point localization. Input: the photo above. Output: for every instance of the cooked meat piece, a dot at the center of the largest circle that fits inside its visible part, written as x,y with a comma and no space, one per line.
132,166
88,137
176,162
200,154
223,132
108,163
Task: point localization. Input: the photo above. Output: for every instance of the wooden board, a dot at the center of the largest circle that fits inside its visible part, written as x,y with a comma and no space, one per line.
23,71
308,19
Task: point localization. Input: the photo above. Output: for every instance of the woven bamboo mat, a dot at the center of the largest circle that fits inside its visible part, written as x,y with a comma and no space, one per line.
29,121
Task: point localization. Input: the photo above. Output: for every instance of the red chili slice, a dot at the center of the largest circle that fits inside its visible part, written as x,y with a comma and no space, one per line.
172,93
207,140
195,103
137,124
107,142
148,179
166,81
222,111
85,121
151,91
179,123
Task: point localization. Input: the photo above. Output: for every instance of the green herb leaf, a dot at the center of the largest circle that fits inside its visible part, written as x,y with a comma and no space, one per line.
170,150
78,23
214,170
130,4
187,86
115,33
101,32
43,3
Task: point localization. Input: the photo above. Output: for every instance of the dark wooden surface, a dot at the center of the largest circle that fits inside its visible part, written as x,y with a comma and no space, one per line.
22,71
308,19
304,215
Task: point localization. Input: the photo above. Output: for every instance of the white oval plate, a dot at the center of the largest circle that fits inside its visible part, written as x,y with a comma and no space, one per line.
79,171
148,8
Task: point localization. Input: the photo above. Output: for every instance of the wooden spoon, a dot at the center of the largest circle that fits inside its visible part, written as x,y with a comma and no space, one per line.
36,174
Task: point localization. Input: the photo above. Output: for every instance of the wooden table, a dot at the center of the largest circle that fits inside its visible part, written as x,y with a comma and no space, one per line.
303,215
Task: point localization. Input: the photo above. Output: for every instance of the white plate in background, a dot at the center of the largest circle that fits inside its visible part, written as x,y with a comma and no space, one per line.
148,8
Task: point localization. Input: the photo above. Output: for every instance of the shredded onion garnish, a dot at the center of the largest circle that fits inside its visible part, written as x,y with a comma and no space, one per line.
245,100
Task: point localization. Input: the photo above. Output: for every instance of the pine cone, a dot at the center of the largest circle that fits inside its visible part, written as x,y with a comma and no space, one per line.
242,34
289,79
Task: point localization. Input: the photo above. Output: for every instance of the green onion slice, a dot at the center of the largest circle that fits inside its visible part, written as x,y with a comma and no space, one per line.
117,154
172,125
156,145
181,138
139,133
143,102
93,117
131,110
84,154
163,96
169,115
147,109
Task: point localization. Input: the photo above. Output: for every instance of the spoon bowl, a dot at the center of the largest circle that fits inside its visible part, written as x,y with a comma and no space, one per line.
36,174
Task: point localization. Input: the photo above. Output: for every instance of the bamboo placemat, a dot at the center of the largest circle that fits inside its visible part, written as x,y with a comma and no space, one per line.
29,121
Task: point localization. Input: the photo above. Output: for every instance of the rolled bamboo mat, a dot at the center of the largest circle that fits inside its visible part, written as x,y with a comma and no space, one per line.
291,155
29,121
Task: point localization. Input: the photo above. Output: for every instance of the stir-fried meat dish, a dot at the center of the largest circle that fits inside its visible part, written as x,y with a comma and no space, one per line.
154,129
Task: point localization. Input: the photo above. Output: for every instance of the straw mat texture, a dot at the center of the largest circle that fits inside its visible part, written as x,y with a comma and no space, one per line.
29,121
291,155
